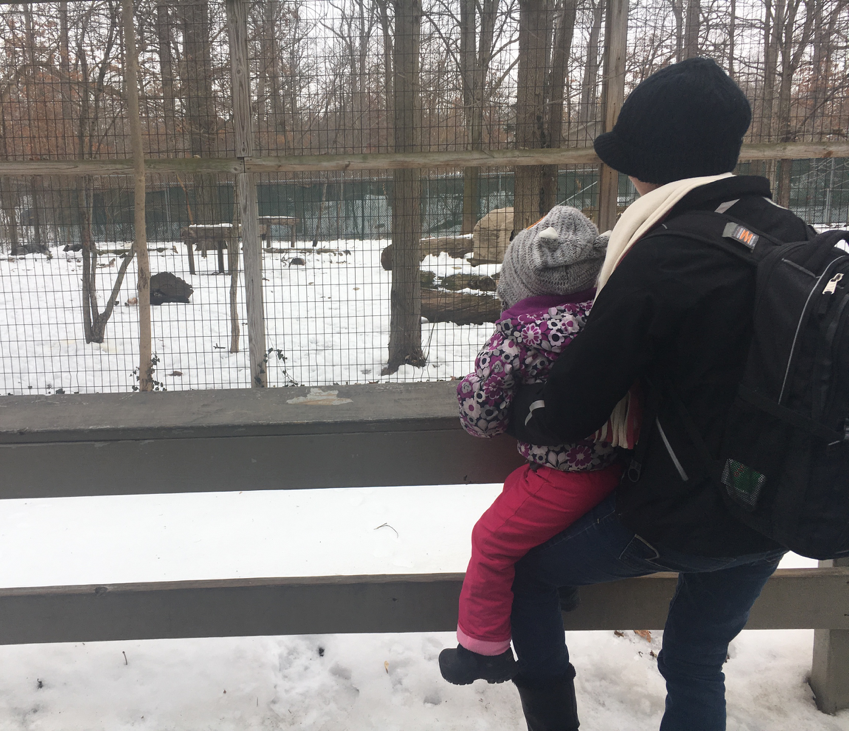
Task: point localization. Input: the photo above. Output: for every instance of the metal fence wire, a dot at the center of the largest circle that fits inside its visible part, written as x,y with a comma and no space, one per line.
384,153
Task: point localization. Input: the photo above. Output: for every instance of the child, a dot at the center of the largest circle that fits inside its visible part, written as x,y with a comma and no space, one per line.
546,286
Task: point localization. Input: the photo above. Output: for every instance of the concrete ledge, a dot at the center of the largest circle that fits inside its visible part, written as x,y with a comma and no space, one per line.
207,441
228,413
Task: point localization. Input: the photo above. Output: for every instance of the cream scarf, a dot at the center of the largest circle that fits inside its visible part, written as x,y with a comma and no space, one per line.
641,216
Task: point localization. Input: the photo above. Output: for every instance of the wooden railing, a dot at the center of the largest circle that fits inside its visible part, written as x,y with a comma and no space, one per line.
359,436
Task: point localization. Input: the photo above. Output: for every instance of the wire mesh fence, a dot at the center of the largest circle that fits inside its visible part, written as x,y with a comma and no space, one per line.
378,260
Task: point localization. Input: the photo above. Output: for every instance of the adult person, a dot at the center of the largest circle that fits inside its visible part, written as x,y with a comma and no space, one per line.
672,315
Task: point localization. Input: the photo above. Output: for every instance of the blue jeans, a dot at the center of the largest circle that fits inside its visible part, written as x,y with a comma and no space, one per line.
710,606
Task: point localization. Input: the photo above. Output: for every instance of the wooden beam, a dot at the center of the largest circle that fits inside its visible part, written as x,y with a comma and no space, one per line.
613,95
201,441
385,161
794,150
122,166
792,599
830,667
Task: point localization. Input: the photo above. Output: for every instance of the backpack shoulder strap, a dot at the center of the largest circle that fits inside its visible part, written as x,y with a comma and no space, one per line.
719,229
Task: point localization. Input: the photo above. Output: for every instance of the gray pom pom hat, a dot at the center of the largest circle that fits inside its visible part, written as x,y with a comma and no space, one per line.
559,255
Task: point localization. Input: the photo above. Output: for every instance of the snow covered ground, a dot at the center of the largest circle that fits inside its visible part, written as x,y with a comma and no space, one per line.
328,315
334,304
357,682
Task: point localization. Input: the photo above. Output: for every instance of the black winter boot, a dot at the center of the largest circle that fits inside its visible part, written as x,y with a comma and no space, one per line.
550,706
461,666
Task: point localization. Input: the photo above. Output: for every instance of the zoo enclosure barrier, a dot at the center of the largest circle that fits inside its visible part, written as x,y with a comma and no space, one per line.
301,111
362,436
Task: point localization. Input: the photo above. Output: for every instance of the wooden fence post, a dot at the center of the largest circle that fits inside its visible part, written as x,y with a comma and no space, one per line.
613,94
237,28
830,668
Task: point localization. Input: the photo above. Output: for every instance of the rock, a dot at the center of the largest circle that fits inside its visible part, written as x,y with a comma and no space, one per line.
386,258
167,287
457,282
492,236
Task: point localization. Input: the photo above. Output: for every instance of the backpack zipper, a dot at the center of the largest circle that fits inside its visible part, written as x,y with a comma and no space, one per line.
816,288
831,287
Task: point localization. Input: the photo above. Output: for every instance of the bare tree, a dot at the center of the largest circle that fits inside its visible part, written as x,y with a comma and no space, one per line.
480,37
530,109
475,58
588,109
562,45
794,34
826,81
691,32
201,119
92,89
165,48
405,328
35,183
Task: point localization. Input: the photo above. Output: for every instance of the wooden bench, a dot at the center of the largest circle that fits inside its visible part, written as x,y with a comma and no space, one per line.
290,221
217,236
363,436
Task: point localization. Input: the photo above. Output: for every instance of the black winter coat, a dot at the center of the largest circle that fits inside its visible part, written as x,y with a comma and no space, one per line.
674,311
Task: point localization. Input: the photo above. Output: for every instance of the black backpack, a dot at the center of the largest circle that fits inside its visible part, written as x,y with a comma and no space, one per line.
783,467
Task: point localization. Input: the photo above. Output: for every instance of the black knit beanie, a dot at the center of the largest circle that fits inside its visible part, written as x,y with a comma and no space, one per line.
684,121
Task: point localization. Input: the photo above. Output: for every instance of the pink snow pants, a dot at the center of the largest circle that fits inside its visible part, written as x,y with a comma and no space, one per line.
535,505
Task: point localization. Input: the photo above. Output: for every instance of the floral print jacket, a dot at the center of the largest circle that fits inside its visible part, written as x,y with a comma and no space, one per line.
528,338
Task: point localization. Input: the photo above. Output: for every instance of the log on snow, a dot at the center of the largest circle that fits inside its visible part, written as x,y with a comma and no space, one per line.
459,308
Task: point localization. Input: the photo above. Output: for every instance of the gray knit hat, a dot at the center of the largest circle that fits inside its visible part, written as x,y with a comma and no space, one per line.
560,254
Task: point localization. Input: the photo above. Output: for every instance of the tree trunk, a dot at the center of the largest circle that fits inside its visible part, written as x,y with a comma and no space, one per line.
200,110
459,308
359,71
691,33
89,253
795,42
36,185
588,117
468,74
771,39
556,90
269,79
613,94
233,263
166,66
530,110
9,205
732,31
67,195
824,47
405,329
9,195
388,51
678,13
131,81
91,88
295,138
784,167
